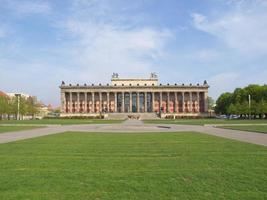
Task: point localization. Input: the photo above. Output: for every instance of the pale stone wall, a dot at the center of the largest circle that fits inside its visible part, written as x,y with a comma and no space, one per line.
119,97
165,99
134,82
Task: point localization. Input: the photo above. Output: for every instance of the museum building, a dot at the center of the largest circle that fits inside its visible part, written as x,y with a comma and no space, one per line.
127,95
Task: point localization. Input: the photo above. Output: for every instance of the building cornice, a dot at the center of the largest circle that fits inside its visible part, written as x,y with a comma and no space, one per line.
134,87
134,79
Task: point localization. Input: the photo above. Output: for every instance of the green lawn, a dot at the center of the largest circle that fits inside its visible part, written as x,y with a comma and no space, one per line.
254,128
4,129
205,121
61,121
132,166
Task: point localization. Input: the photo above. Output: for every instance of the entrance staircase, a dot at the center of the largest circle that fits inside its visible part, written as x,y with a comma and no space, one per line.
141,116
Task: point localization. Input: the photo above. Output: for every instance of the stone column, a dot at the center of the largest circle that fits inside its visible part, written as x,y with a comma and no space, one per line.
153,101
145,101
85,102
108,102
131,102
71,103
78,102
190,102
168,102
183,103
122,102
160,101
138,101
93,102
100,101
176,106
115,101
198,108
206,102
63,102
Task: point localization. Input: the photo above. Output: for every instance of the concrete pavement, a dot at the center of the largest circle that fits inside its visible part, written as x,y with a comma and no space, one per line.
26,134
135,126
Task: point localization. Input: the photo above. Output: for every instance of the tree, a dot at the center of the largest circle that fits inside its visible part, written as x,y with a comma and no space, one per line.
262,108
31,107
211,103
12,107
223,103
232,109
9,106
243,108
3,106
237,102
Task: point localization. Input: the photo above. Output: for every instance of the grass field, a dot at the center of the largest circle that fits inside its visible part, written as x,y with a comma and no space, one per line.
253,128
132,166
61,121
4,129
205,121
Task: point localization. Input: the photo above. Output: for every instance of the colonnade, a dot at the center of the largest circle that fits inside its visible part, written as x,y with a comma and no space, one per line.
128,101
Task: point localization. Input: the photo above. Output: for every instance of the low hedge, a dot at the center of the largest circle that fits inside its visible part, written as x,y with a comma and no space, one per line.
185,117
77,117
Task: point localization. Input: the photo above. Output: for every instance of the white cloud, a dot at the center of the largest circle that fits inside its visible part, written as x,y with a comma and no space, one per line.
243,28
223,82
228,81
92,49
38,78
106,39
3,31
207,55
198,19
24,7
203,55
105,47
98,37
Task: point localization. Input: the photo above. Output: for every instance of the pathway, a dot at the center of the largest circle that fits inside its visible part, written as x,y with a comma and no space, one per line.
134,126
21,135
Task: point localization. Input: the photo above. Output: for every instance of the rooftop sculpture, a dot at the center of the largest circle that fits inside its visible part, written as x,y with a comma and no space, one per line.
115,75
153,75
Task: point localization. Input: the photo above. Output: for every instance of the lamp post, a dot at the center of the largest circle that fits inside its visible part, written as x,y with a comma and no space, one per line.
249,105
18,106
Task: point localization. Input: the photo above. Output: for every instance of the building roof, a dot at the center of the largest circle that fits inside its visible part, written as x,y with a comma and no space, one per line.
2,94
152,81
11,94
116,81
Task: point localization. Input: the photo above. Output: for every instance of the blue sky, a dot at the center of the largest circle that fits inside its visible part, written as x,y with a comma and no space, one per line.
84,41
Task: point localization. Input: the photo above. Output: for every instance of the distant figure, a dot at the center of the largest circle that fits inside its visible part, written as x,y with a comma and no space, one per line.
62,83
115,75
153,75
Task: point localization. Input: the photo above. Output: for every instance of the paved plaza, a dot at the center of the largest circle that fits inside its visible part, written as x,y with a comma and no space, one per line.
136,126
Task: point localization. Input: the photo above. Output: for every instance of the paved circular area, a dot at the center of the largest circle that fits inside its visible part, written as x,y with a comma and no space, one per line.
136,126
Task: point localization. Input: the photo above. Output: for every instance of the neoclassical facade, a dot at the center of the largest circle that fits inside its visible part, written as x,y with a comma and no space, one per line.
134,96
